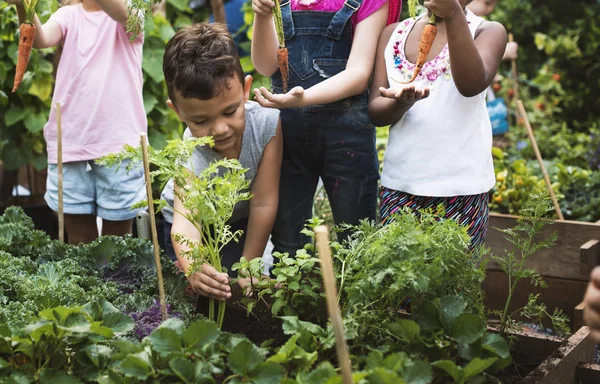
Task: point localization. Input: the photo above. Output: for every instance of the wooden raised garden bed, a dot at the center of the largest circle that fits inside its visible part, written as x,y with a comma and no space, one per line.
565,268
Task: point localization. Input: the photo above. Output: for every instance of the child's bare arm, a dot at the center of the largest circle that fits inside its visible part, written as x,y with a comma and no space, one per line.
351,81
388,104
265,200
264,38
207,282
473,63
116,9
47,35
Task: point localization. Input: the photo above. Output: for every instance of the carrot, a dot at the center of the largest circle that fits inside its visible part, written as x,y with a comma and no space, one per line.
23,52
283,64
282,52
427,38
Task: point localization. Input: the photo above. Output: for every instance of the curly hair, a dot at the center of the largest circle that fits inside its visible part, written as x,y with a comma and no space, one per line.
199,61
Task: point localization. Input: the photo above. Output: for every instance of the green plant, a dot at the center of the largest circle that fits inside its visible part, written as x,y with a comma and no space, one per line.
522,236
209,199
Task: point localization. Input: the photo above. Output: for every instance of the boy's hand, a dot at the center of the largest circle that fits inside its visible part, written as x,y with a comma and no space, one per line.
405,92
292,99
591,313
511,52
263,8
443,8
210,283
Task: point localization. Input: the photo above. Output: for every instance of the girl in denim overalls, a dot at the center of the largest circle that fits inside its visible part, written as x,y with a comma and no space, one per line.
327,131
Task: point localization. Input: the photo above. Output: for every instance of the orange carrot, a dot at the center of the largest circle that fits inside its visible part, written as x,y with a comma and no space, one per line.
23,52
427,38
283,64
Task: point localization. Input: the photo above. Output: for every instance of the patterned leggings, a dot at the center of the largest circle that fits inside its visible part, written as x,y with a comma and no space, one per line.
470,211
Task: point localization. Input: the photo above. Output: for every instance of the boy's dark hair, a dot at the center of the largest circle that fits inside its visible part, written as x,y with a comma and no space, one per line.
199,60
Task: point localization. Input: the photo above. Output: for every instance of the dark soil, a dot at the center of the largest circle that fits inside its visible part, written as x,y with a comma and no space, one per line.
258,326
521,366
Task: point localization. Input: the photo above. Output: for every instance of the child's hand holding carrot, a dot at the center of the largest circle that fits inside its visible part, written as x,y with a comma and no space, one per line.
444,8
263,8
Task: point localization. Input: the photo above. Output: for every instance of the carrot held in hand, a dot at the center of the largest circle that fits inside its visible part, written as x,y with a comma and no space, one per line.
282,63
282,52
427,38
27,31
23,52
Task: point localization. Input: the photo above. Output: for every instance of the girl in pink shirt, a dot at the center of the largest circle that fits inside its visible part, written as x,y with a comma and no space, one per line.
99,87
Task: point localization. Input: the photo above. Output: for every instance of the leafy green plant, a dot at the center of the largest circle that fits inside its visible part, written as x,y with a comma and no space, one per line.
209,199
522,236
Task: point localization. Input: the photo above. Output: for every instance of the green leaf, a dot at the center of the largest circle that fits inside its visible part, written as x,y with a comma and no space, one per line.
406,330
20,377
470,351
200,333
450,309
54,376
98,354
34,122
183,368
3,99
427,316
497,345
319,375
267,373
3,363
175,324
137,366
38,329
180,5
14,115
165,341
417,372
149,102
152,63
244,357
118,322
102,331
477,366
381,375
468,328
450,368
41,86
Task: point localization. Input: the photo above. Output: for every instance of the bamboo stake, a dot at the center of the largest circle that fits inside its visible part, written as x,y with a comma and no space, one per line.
61,215
514,70
161,285
538,155
332,306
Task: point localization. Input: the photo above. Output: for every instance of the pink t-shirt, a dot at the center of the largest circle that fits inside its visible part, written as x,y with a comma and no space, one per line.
99,87
367,8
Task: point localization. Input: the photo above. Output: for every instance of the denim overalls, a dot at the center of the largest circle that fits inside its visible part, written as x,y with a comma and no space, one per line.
335,142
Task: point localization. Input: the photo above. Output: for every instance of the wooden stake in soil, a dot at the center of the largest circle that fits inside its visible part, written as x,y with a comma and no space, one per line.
538,155
161,285
61,215
514,70
332,306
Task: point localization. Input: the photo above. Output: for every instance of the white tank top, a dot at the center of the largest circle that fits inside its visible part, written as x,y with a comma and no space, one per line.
442,145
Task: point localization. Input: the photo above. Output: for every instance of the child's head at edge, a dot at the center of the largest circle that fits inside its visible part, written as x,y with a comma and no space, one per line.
206,84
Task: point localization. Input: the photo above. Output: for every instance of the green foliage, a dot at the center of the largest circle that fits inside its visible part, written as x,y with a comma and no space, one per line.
522,236
208,198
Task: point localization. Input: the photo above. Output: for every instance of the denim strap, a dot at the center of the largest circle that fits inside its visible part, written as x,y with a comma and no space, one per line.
286,18
338,23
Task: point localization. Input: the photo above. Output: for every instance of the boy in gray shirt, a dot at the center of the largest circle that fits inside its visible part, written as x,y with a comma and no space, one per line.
209,93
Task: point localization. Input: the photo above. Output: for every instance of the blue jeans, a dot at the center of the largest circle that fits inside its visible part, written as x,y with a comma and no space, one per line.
337,144
230,254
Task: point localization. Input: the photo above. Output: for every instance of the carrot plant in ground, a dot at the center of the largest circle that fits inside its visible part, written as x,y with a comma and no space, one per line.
208,200
533,218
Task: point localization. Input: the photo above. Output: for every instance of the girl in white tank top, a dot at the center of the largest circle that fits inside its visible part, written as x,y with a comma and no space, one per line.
439,147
